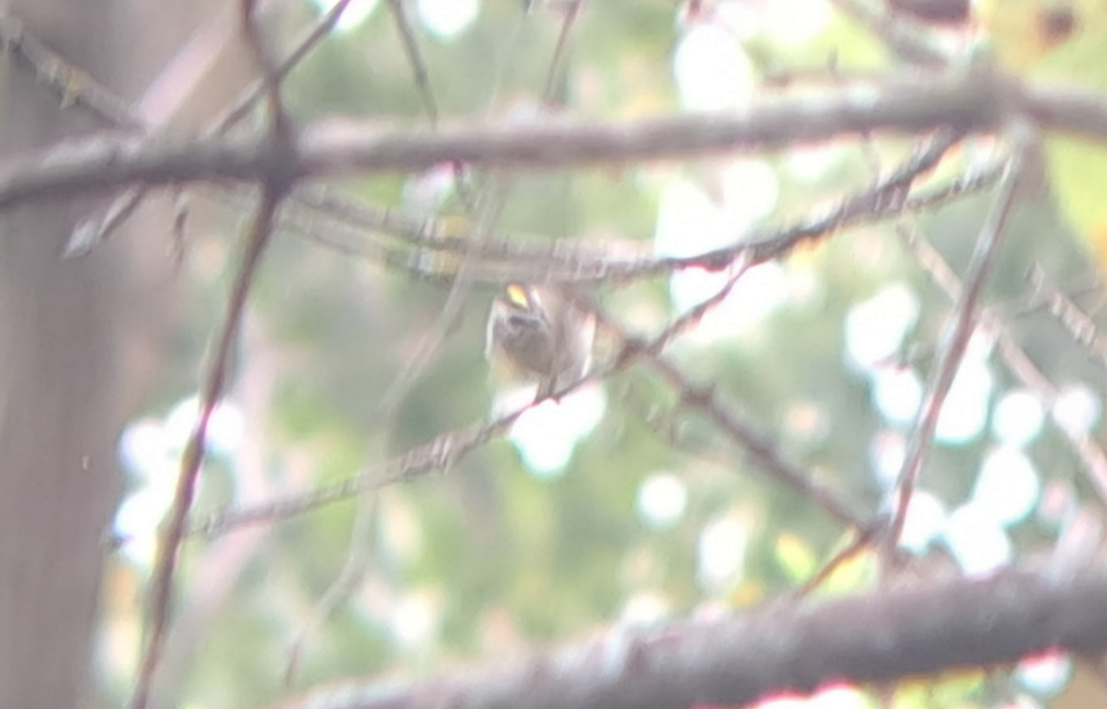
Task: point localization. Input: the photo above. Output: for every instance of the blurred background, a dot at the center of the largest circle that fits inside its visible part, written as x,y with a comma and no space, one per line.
619,504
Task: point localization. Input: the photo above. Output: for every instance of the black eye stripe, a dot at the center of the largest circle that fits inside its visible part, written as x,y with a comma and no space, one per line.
523,319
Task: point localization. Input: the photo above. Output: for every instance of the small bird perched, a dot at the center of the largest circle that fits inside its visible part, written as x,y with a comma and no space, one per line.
536,333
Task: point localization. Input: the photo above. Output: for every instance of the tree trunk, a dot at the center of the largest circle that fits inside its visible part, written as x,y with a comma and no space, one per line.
59,377
79,339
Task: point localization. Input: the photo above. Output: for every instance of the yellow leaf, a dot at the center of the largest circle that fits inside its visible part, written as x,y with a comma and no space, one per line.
1061,42
795,557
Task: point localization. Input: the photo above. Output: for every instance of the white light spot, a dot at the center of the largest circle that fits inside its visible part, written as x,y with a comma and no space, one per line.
743,19
875,329
841,697
897,393
662,500
750,190
926,517
144,450
427,190
447,18
689,222
720,553
137,519
547,434
886,453
354,14
224,432
785,702
1008,487
977,542
965,409
415,619
645,609
814,162
712,71
1017,419
1045,674
150,449
1076,410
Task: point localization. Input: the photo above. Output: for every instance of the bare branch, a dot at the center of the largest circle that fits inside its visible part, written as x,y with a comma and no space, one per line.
73,85
211,390
249,98
280,126
445,450
1078,324
415,58
759,449
571,11
536,259
1091,454
93,230
978,102
886,197
905,630
440,454
959,331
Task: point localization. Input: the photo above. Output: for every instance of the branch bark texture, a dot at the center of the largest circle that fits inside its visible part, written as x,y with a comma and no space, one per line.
890,634
966,103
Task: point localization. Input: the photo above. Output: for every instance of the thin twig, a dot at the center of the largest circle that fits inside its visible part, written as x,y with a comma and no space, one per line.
454,445
211,390
760,450
253,93
541,260
93,230
571,11
959,330
352,572
862,539
664,426
560,261
1092,456
414,58
280,126
214,381
74,86
486,219
444,451
1078,324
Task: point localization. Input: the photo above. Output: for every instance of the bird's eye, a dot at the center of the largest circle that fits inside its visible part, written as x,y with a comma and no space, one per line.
523,321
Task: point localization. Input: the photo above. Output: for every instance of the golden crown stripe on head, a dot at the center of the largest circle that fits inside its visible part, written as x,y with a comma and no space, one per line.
519,296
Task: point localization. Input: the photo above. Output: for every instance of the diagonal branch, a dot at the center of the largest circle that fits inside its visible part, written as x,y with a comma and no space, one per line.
959,331
92,230
73,85
903,631
1018,361
756,447
211,390
445,450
